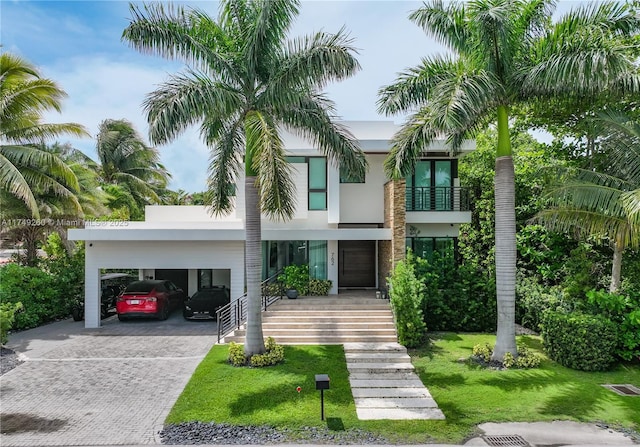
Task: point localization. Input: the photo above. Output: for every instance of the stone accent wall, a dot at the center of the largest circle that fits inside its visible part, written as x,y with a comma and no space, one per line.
390,252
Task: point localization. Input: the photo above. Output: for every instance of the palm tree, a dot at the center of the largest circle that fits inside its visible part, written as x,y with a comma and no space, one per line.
504,53
24,96
126,161
592,204
247,83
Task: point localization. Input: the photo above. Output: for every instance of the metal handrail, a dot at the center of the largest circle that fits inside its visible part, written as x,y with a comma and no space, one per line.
438,198
233,315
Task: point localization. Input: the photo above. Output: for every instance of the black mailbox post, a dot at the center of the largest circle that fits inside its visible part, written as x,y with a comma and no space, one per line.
322,383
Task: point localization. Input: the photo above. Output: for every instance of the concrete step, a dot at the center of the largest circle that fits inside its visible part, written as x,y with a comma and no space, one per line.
386,383
395,402
365,347
382,367
316,340
323,317
377,357
332,312
398,413
344,325
383,375
390,392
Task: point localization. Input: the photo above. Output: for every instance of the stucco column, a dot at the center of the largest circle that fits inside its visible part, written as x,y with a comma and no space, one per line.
91,288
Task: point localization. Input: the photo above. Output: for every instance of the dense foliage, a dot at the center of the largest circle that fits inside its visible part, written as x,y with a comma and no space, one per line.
406,294
455,298
47,292
7,317
580,341
274,354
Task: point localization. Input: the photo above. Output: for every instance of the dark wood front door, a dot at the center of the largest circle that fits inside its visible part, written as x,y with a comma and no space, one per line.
357,263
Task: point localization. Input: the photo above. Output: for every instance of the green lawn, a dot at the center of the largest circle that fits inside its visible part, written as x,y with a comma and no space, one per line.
467,394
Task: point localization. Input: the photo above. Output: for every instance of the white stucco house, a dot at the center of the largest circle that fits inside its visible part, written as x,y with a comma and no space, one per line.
348,230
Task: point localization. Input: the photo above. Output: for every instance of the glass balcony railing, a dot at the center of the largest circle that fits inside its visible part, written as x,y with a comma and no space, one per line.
438,198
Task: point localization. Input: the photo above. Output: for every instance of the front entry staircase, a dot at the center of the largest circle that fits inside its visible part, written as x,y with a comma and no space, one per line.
332,320
382,378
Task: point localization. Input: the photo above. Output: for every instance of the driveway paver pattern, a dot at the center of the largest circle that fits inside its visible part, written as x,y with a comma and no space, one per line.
109,386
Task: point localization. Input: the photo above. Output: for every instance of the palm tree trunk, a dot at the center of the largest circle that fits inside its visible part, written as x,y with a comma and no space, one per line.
505,257
616,269
254,342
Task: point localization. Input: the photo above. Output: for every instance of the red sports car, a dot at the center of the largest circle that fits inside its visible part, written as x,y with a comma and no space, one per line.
149,298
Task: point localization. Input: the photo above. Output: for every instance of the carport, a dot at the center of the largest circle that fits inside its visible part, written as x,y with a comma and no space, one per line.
139,245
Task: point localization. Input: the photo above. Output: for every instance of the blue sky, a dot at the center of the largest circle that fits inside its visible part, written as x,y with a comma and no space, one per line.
78,45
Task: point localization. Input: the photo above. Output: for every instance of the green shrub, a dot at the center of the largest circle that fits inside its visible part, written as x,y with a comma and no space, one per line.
319,287
525,359
405,295
296,277
482,351
624,311
533,299
580,341
7,316
43,296
456,297
274,354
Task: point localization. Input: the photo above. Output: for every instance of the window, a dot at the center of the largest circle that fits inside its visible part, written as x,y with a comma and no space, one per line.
424,247
349,177
430,188
276,255
317,175
317,183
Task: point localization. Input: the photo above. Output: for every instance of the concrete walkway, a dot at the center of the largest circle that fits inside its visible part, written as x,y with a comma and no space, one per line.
384,383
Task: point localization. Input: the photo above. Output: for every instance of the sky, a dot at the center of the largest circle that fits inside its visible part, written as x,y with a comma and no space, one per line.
78,45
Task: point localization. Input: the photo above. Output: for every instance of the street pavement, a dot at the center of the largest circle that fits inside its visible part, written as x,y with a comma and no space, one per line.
115,385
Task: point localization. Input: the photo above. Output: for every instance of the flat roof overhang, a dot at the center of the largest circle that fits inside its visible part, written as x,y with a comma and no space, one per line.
192,234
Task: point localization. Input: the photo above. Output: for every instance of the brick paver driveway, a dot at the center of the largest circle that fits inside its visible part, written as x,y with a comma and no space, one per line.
107,386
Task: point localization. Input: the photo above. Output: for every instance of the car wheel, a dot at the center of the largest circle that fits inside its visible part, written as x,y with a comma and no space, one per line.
122,318
76,313
165,312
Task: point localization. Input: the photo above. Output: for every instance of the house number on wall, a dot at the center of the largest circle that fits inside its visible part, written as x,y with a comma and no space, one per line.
333,258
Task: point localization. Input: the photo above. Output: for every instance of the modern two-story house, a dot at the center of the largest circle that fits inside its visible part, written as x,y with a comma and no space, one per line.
348,230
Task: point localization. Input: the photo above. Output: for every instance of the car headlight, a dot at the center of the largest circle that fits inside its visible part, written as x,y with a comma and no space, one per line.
187,307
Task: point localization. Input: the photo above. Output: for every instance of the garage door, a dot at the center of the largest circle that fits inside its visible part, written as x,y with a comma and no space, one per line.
357,264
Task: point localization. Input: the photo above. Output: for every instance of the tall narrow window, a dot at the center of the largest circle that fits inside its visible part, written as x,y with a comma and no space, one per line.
317,183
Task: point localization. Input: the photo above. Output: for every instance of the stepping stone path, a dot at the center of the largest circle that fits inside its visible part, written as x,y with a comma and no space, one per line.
384,383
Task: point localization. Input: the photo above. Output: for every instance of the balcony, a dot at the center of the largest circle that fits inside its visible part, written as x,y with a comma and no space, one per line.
438,198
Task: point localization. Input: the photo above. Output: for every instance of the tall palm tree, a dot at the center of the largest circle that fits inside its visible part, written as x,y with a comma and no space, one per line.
24,96
247,83
592,204
126,161
504,53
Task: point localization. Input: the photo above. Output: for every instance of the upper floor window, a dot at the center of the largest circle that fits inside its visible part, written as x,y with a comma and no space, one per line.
317,175
430,187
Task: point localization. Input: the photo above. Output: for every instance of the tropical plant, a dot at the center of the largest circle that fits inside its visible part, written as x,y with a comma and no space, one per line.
24,165
505,53
129,164
599,205
246,84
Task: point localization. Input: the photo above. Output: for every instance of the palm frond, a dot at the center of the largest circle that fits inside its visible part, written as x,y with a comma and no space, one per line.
313,61
224,138
275,180
176,32
185,100
12,180
446,23
310,117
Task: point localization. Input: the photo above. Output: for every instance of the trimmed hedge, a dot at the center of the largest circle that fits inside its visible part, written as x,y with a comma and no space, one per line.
580,341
